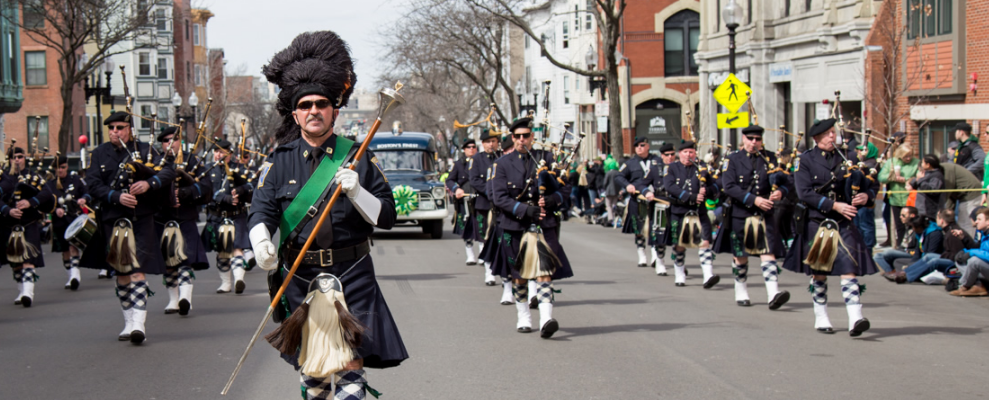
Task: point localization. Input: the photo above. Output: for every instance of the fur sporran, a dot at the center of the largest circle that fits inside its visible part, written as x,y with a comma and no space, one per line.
824,249
19,249
755,235
122,255
690,233
173,245
225,239
535,258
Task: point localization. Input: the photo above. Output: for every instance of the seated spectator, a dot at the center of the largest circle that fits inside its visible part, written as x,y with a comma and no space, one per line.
931,261
886,258
906,241
974,262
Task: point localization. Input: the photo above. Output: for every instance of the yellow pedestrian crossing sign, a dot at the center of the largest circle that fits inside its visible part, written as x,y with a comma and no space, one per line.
733,120
732,93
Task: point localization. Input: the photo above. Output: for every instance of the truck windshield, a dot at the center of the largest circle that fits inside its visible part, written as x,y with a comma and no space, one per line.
402,160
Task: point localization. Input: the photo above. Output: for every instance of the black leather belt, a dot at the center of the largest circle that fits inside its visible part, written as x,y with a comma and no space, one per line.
327,257
225,214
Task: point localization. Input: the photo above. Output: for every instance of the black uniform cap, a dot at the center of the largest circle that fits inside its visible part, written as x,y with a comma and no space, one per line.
165,132
666,147
686,145
963,126
753,130
638,140
488,134
507,143
62,160
315,63
466,143
224,144
521,123
821,126
119,116
18,150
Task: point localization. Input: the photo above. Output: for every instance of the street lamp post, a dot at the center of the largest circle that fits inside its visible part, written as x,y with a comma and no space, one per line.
179,118
102,94
591,59
732,14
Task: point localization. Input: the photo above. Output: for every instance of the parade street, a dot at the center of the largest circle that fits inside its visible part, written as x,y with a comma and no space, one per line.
624,333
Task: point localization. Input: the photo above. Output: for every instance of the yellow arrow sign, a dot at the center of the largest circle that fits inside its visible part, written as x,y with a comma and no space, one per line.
732,93
733,120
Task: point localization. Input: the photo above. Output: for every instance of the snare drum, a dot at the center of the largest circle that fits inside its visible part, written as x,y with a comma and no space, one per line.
81,231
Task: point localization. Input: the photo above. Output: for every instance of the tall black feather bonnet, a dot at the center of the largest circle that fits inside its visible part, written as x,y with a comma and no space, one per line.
315,63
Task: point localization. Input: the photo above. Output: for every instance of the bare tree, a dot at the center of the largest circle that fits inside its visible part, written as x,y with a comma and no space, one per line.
65,26
608,16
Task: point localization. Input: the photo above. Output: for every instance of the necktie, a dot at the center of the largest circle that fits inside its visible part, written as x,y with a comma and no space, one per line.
317,156
324,238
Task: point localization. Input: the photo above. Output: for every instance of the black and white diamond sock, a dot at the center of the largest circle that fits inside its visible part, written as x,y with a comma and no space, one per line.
185,276
316,388
350,385
819,291
74,262
851,292
171,278
521,292
741,272
223,264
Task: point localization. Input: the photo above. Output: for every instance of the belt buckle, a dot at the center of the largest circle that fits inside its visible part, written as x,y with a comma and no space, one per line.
322,258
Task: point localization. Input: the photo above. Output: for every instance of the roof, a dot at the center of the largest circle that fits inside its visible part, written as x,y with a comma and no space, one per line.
405,141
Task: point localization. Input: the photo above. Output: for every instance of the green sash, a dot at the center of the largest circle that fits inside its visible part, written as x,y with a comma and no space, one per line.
313,188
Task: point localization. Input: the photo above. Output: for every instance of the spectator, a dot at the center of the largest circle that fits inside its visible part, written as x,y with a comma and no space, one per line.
866,218
895,174
957,177
974,262
583,197
929,177
885,259
595,179
930,244
949,152
954,242
611,188
969,153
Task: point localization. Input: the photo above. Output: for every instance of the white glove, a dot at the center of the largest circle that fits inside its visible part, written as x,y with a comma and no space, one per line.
264,250
347,179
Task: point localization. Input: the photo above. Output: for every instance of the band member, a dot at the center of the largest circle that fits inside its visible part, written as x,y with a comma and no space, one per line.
491,253
479,171
316,78
640,176
658,237
128,197
25,201
70,192
689,183
458,182
176,224
752,182
827,243
529,195
226,227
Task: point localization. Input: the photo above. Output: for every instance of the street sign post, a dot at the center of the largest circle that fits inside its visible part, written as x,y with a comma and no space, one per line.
733,120
732,93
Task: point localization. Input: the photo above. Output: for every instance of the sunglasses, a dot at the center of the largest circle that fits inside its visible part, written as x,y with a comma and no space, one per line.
668,154
522,135
470,147
307,105
642,145
116,127
754,138
18,157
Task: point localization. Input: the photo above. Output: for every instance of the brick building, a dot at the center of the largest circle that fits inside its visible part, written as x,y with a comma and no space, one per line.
659,40
182,15
923,67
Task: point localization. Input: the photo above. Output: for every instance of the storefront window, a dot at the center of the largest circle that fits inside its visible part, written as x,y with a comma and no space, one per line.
681,37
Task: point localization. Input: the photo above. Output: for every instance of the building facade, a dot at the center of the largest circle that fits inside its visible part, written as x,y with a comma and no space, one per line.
11,85
794,55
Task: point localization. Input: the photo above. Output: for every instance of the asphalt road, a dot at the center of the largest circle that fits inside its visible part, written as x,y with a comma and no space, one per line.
625,333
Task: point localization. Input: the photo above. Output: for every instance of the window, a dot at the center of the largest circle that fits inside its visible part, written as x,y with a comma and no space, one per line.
786,8
187,34
681,34
527,41
807,6
41,126
146,111
12,61
589,17
34,14
717,16
528,78
195,34
188,71
144,64
926,18
566,34
566,90
162,116
35,68
199,74
748,15
161,20
162,68
576,18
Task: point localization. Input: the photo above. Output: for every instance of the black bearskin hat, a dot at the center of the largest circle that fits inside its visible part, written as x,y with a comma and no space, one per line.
315,63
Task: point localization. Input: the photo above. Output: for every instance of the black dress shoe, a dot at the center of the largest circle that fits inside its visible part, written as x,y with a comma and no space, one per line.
169,311
137,337
826,330
713,280
184,307
472,263
525,329
779,300
643,265
743,303
533,303
74,284
686,271
26,302
662,274
549,329
490,283
681,284
239,287
860,326
506,303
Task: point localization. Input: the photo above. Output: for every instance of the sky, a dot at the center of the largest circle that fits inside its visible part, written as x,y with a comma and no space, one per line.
251,31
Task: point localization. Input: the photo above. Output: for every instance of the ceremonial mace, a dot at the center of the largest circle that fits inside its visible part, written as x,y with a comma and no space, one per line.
388,99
